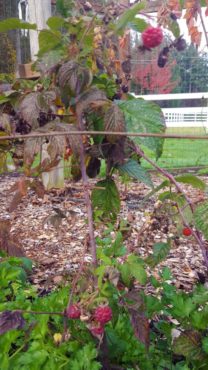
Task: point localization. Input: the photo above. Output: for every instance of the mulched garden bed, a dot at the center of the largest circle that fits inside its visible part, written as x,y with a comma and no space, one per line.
57,245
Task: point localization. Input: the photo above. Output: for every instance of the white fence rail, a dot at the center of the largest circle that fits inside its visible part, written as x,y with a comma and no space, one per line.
182,117
186,117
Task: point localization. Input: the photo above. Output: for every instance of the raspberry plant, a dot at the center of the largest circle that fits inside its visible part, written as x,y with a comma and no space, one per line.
107,321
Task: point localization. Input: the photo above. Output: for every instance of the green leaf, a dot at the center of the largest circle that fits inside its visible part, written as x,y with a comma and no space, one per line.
174,28
14,24
4,99
48,40
192,180
160,252
138,25
136,268
26,263
199,319
166,274
55,23
205,344
201,218
144,117
135,170
182,306
106,199
188,344
125,273
128,16
138,272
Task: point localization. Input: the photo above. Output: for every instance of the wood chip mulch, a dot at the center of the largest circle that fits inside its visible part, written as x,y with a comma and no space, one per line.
57,245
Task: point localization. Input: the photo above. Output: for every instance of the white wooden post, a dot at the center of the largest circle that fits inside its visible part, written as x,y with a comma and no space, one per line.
38,12
55,177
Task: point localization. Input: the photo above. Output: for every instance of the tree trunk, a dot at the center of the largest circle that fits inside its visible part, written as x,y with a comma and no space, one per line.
8,41
39,12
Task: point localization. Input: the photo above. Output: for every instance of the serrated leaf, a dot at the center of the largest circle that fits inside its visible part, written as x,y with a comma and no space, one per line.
55,23
29,109
93,97
106,199
125,273
192,180
73,79
114,120
14,24
144,117
160,252
128,16
138,272
201,218
48,40
188,344
135,170
138,25
11,320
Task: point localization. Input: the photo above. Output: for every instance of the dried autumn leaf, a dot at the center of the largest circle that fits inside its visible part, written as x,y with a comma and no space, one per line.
31,148
114,121
72,141
10,320
93,97
73,78
7,243
139,321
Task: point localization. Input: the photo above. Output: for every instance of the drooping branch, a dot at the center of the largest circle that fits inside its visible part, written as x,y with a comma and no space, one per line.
196,234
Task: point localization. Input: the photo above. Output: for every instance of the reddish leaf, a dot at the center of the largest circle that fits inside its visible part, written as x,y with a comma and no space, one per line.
139,322
11,320
141,326
7,243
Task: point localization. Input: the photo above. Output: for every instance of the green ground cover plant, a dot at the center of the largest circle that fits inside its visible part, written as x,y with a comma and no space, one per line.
104,317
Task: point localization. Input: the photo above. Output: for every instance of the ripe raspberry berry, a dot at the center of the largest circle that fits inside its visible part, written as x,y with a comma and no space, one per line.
187,231
73,312
97,330
103,314
152,37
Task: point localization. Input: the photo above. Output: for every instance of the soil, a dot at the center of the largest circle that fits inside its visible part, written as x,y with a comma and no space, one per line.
57,244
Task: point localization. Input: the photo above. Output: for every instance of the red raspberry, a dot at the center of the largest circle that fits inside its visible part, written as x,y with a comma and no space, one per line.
152,37
73,312
187,231
103,314
97,330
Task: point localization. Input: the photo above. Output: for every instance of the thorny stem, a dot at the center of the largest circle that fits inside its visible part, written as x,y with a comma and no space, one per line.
196,234
197,237
87,196
77,275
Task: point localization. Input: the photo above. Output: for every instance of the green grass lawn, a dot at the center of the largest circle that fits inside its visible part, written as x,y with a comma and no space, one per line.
182,152
177,153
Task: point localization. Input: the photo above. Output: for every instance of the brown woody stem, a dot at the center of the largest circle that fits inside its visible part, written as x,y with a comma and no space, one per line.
87,196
